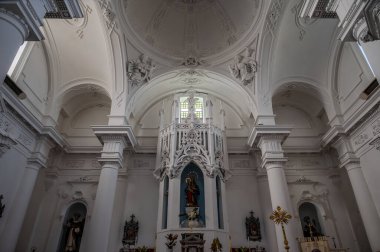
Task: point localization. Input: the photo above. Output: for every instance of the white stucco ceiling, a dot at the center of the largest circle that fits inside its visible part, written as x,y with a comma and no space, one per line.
178,29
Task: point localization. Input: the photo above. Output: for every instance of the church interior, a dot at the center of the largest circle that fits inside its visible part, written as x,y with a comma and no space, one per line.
189,125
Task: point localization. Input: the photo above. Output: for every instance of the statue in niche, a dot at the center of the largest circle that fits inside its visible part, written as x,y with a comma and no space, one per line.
131,229
75,229
252,225
191,190
310,228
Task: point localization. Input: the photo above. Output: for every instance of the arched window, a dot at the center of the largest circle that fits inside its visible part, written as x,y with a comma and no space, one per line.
72,228
310,220
165,203
184,108
219,203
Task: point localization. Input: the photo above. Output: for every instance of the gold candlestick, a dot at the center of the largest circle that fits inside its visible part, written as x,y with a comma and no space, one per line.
281,217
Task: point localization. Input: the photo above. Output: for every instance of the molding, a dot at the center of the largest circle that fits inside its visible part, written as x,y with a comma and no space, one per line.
376,143
18,110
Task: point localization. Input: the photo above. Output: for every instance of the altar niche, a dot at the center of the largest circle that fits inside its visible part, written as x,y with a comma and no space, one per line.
310,220
72,228
192,199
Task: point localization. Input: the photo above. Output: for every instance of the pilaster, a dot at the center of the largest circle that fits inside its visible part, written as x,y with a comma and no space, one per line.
35,162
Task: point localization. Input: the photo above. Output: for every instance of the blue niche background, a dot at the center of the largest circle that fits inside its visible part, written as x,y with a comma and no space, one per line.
194,169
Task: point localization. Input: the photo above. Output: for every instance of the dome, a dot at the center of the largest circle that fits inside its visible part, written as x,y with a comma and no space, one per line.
179,29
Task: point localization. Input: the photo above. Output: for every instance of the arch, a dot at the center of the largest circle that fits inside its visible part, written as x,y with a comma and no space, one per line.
311,220
72,227
170,83
192,194
307,86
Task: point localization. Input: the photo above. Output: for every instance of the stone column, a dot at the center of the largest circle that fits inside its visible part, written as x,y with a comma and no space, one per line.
114,139
269,139
11,231
365,203
278,187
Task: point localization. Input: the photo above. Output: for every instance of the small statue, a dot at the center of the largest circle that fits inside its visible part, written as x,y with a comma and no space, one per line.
2,206
192,191
216,246
310,228
131,229
171,240
75,230
252,225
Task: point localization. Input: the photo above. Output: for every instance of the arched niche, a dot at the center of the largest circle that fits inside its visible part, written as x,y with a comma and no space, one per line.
192,190
72,227
310,219
165,203
219,202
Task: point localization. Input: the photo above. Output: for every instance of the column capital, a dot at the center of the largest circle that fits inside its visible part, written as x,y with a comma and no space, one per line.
114,139
17,21
361,32
270,163
268,132
26,14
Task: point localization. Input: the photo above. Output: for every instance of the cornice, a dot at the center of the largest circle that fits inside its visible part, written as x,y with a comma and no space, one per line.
125,131
259,131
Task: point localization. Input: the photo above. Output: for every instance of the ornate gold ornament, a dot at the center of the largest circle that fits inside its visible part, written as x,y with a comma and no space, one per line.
281,217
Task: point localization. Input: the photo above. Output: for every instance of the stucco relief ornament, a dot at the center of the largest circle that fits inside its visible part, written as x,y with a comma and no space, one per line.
6,142
244,67
139,71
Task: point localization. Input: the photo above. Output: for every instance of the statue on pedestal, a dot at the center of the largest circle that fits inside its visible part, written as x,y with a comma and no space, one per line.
252,225
75,230
192,191
131,229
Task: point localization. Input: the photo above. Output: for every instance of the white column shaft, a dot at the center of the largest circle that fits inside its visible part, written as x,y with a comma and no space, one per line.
20,205
366,206
279,194
100,225
14,31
